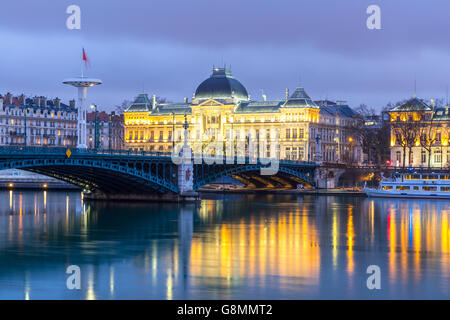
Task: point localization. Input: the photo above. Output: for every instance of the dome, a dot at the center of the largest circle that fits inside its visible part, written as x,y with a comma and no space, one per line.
221,85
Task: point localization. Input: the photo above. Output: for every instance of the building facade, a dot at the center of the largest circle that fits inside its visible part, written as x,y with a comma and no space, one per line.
37,122
221,112
41,122
420,135
106,129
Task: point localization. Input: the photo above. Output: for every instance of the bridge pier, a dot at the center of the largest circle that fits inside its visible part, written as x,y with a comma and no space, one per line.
327,178
144,197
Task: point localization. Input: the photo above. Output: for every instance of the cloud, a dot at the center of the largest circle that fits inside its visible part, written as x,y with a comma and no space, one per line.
168,47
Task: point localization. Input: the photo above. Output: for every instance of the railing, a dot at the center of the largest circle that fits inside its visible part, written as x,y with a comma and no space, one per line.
18,150
76,151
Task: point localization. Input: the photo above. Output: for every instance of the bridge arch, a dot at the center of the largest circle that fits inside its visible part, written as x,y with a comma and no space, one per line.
96,174
213,173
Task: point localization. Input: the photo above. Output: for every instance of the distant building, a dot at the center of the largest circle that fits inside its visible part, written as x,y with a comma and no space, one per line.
41,122
420,134
37,122
221,110
109,130
339,129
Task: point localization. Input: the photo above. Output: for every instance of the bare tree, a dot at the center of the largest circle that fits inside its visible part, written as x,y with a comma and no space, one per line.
407,130
427,135
124,106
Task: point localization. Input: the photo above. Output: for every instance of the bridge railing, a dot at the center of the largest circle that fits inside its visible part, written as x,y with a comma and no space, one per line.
197,158
17,150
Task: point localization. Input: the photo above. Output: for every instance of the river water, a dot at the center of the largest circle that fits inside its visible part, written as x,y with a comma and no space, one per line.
224,247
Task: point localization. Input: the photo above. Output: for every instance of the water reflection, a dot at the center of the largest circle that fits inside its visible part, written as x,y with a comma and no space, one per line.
229,247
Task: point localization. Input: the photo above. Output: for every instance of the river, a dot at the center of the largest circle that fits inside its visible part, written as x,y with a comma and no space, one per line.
224,247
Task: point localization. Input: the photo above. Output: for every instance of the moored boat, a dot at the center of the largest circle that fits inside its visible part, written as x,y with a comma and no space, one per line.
413,185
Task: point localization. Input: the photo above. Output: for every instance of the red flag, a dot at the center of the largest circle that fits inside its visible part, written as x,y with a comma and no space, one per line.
85,59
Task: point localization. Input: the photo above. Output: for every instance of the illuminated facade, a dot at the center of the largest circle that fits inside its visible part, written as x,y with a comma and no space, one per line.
420,134
221,110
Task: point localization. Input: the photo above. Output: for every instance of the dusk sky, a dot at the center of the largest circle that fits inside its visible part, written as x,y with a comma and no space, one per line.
168,47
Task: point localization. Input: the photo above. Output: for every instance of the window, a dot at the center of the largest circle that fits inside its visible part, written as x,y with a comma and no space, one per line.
294,153
416,188
301,133
403,188
387,187
438,137
423,157
294,133
288,133
301,154
445,189
438,157
429,188
398,156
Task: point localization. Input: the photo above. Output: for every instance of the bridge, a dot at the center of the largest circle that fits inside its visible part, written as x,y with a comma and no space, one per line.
138,172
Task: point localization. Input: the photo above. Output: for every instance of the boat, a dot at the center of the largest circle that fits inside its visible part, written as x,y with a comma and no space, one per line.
413,185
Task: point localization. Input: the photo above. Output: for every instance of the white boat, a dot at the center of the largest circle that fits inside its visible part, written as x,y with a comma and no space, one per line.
414,185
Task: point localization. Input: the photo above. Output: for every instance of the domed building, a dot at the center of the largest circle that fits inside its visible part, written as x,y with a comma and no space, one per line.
221,110
221,85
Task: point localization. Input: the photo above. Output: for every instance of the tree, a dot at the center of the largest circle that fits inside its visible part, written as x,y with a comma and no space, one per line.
407,129
427,135
124,106
374,133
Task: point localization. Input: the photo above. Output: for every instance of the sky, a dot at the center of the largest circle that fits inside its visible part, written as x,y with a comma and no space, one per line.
168,47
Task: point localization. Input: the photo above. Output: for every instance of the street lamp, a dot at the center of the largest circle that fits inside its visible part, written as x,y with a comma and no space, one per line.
25,118
96,136
173,131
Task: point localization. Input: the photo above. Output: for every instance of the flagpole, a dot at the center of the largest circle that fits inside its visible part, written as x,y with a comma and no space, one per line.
82,75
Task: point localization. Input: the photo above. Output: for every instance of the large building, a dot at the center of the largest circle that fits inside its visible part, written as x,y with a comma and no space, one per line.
420,133
221,110
37,121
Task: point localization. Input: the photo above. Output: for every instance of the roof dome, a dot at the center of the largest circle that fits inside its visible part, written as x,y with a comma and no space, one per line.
221,85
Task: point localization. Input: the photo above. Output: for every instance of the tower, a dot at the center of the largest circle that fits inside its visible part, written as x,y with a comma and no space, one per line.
82,84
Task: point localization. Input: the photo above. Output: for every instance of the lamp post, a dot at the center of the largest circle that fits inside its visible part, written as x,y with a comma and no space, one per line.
96,133
109,132
25,118
173,131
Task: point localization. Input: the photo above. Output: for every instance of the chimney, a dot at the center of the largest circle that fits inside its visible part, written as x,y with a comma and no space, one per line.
36,100
57,102
72,103
287,94
42,101
432,103
8,98
153,101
